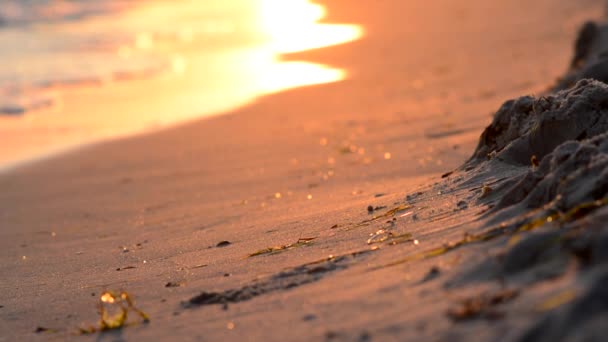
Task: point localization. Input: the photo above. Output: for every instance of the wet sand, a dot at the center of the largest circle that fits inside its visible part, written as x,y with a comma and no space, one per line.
138,214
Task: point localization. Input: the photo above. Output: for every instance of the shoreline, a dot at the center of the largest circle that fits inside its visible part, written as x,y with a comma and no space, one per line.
153,77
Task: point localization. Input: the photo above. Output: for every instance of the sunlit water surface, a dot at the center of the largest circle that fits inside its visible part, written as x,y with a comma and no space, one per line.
77,72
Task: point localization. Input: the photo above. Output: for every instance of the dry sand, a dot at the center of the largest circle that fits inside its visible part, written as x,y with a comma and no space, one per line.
146,214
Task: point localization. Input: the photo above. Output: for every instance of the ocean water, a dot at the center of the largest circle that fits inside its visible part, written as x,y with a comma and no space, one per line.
79,72
40,52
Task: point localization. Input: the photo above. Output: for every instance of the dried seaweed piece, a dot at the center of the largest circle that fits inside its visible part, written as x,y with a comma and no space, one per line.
502,230
396,239
485,191
534,161
120,302
379,236
278,249
395,210
583,210
285,280
557,300
392,238
575,213
390,213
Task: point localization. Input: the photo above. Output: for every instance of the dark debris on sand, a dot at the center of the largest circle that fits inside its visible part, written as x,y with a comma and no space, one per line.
223,244
282,281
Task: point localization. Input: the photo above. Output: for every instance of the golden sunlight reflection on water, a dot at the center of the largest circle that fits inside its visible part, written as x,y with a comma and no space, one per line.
214,57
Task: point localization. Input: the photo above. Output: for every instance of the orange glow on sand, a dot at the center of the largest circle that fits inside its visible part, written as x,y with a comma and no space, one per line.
211,66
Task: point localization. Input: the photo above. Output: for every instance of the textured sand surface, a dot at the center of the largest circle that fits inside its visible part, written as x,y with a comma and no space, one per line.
298,170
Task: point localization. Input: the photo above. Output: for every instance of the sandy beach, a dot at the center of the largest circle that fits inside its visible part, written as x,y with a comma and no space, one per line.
320,212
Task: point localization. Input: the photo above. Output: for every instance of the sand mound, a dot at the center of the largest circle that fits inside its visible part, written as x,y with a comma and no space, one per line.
590,59
533,127
574,173
548,157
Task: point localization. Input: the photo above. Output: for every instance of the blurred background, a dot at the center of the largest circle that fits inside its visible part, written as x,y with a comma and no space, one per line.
76,72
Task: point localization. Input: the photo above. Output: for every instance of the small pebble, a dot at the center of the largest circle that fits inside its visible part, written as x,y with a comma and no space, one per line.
309,317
